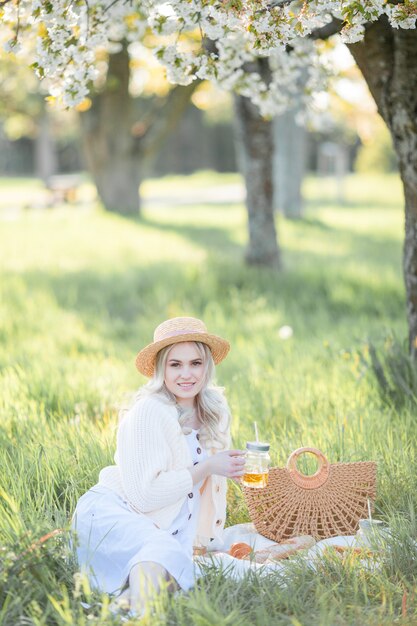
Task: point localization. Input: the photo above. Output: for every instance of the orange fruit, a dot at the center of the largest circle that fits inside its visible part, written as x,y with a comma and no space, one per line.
240,550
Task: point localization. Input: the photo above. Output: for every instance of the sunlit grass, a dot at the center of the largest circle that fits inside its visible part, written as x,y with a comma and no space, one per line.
81,291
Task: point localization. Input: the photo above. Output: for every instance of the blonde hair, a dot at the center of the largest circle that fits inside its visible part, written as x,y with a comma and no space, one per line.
211,404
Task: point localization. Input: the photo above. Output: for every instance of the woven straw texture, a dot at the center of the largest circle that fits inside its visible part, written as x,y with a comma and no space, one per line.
329,503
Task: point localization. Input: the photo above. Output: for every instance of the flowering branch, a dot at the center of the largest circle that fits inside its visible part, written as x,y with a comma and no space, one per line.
330,29
69,34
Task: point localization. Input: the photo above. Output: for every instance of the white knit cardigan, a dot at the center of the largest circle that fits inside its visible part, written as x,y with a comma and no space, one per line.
151,471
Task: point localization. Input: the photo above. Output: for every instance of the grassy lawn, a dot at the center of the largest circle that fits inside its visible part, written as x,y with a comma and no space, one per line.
82,290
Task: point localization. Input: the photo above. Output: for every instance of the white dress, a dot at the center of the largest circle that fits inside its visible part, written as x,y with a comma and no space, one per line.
111,537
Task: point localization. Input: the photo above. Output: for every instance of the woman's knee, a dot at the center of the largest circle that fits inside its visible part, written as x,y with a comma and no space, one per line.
154,572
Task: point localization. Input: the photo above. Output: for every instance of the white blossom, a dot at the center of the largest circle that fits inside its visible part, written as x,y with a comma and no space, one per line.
399,17
353,33
69,33
12,45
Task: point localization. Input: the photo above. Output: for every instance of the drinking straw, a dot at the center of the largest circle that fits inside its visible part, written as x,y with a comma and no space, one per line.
256,431
369,510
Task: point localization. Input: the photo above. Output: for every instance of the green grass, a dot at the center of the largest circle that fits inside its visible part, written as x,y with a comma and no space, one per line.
82,290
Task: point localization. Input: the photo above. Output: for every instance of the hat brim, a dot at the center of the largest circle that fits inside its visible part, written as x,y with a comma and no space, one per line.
145,359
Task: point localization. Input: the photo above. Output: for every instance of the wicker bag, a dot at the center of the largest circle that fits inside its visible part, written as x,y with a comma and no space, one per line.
326,504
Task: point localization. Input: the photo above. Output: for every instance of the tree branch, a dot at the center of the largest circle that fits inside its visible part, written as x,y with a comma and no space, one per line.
165,119
109,6
274,4
333,27
377,50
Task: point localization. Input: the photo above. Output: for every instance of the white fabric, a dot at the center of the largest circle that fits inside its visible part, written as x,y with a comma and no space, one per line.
112,537
238,568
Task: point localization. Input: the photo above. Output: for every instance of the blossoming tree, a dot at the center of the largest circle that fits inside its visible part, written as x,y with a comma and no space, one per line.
229,41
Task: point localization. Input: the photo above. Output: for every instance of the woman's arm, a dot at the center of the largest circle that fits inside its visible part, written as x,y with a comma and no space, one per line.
143,457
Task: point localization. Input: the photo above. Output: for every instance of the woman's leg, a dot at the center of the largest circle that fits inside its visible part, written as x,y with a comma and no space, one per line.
122,602
145,581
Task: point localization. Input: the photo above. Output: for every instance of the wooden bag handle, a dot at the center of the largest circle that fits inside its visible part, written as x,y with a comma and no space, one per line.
302,480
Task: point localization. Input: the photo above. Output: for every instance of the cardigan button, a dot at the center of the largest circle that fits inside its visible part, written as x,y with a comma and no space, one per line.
218,522
195,463
175,532
198,450
217,489
191,495
198,437
190,515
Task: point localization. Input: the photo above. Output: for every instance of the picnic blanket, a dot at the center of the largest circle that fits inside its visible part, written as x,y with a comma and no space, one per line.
238,568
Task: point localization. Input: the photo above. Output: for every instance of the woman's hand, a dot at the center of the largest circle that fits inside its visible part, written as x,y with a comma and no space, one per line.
230,463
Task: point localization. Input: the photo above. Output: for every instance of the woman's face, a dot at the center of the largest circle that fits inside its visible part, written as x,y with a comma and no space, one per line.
184,372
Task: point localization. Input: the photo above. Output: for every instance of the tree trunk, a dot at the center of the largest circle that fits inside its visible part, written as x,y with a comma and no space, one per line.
289,164
387,58
110,149
120,134
254,148
46,163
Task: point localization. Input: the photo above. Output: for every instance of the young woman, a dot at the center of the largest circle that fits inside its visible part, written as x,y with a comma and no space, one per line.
167,490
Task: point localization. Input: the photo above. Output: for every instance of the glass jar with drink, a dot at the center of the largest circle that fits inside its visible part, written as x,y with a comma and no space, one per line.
371,533
257,465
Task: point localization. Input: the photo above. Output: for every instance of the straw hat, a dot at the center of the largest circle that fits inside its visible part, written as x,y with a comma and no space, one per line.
176,330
